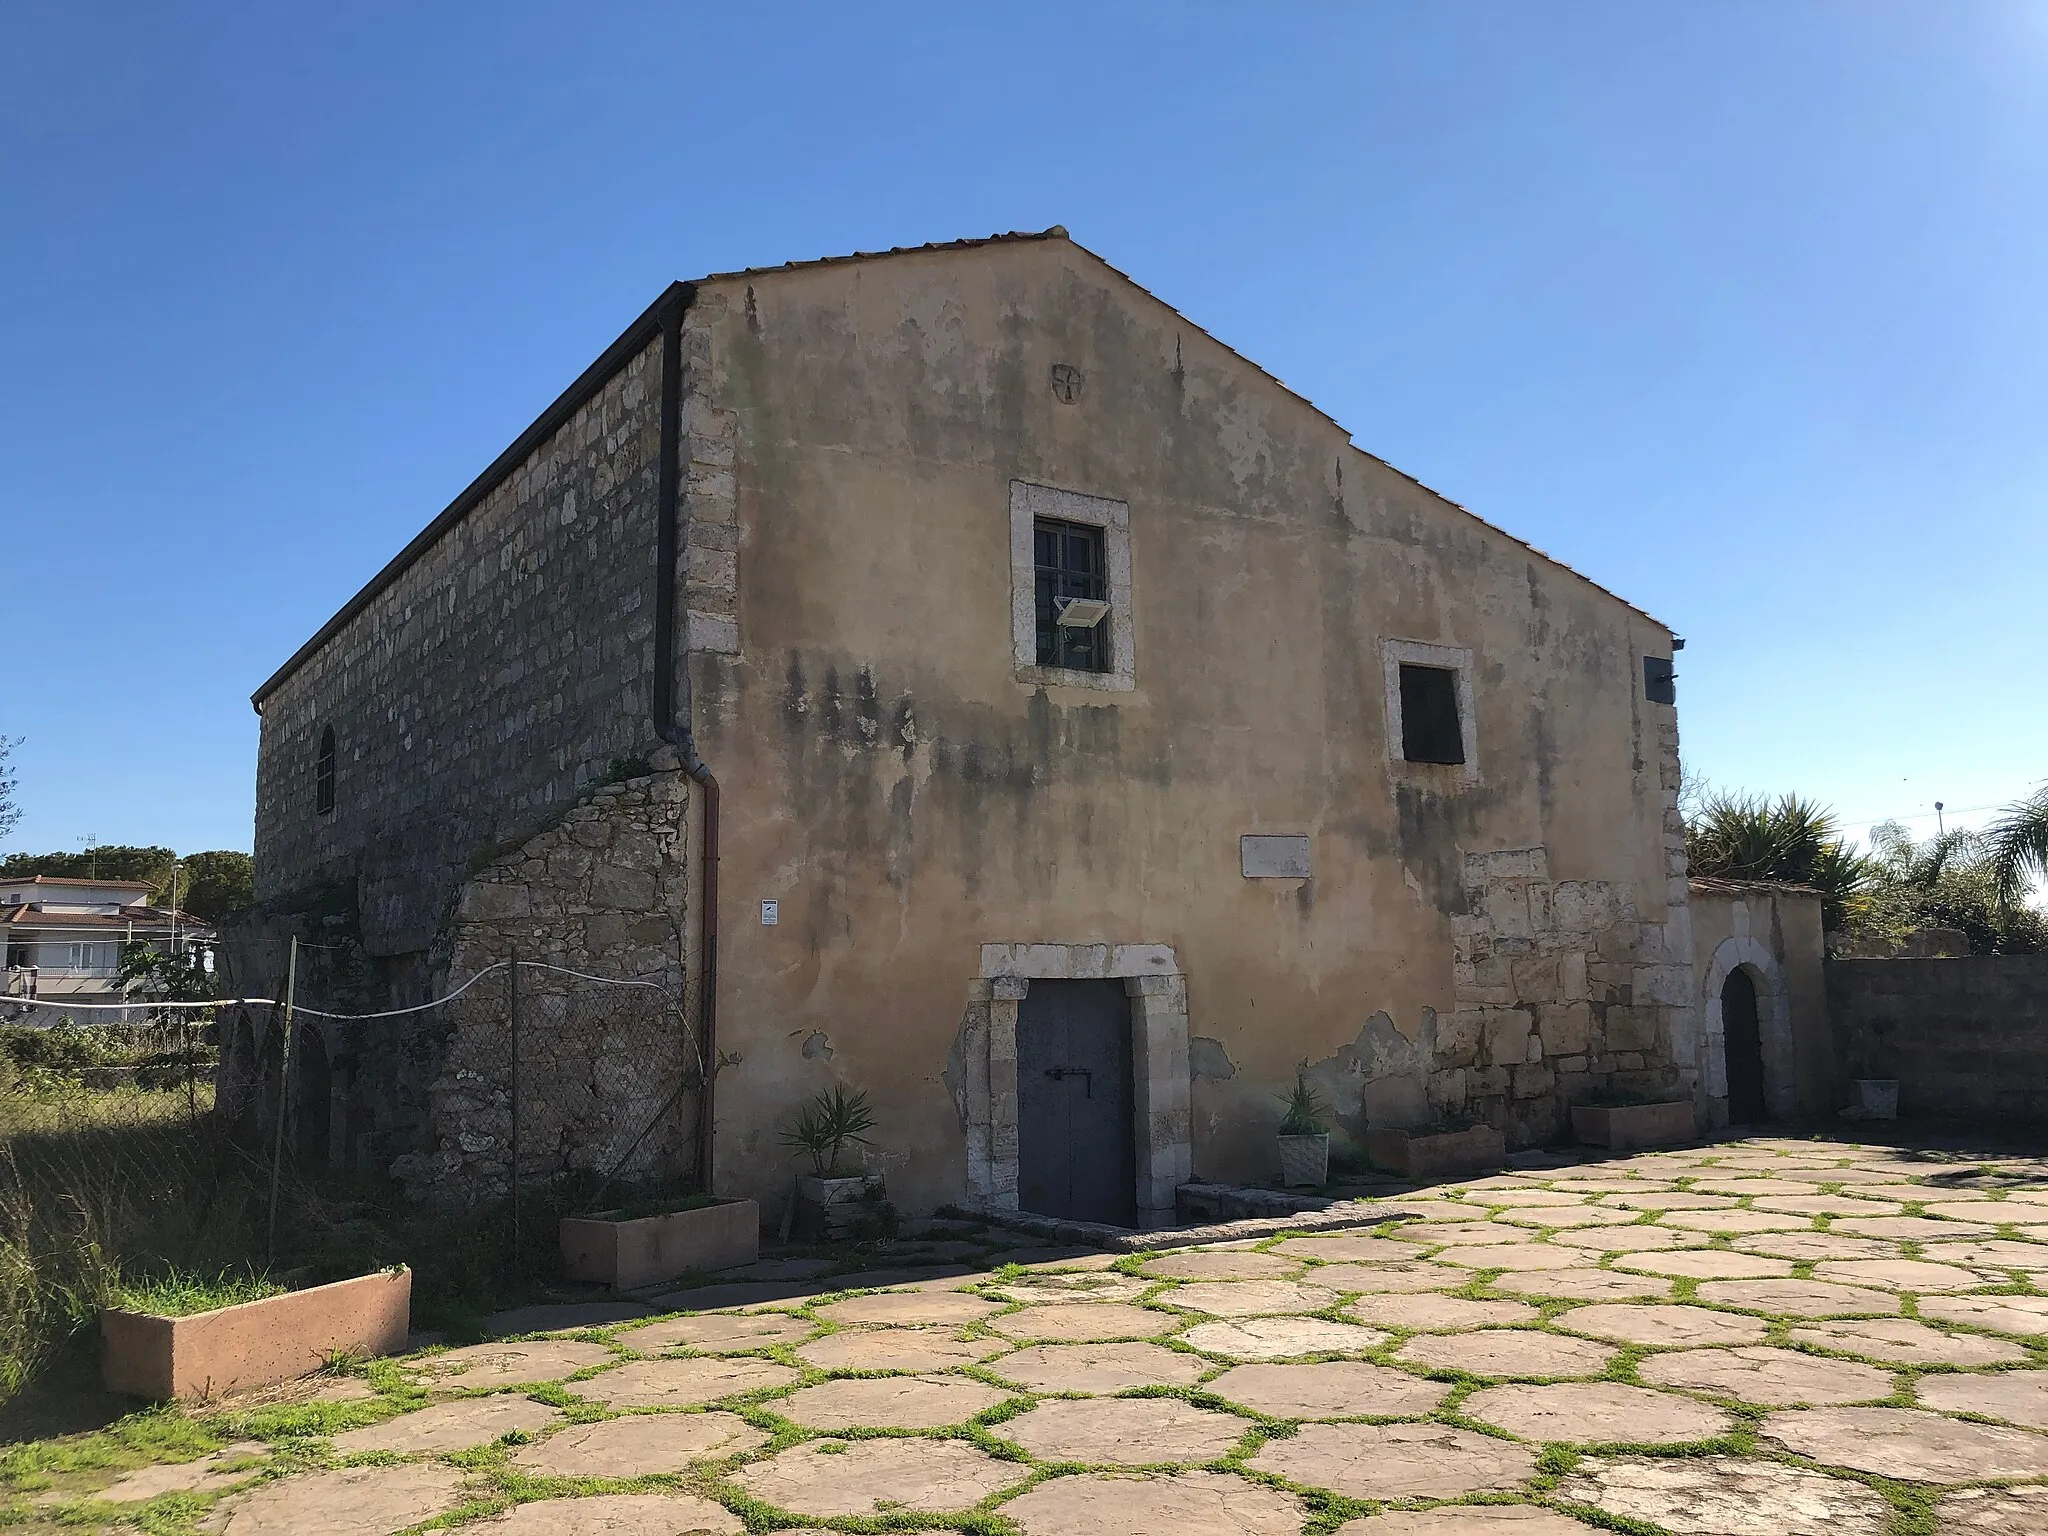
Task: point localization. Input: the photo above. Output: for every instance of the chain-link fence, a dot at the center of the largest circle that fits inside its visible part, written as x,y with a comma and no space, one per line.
572,1087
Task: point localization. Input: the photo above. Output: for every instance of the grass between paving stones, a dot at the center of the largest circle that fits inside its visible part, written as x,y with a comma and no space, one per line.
1912,1503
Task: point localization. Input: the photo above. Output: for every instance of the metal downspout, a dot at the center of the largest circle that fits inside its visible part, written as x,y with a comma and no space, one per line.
670,705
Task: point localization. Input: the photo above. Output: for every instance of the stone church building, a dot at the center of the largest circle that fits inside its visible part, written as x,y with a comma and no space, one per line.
957,676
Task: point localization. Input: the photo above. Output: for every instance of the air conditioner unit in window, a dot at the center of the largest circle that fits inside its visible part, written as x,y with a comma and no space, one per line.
1082,612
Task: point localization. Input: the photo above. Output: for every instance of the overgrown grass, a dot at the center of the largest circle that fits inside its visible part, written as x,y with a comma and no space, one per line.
132,1197
179,1293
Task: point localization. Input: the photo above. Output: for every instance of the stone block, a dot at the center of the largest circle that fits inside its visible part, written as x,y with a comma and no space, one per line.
1507,911
1630,1029
1170,989
1143,960
1486,1080
1534,1081
1458,1036
1049,962
626,889
1572,985
1505,1041
1088,962
715,634
1669,985
1447,1089
1535,978
1566,1028
492,902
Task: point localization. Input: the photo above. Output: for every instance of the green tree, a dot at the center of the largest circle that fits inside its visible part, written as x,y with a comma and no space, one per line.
209,885
10,809
2018,845
113,862
1951,881
218,883
1788,840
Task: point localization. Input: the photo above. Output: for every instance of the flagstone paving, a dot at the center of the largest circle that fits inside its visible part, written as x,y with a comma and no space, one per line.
639,1445
1881,1328
1773,1378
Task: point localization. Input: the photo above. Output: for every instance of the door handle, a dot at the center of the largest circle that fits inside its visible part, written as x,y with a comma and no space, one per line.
1061,1074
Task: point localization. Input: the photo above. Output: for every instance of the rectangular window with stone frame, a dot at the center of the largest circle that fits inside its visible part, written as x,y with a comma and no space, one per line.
1069,568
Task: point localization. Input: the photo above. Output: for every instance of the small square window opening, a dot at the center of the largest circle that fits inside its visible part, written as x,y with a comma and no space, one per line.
1430,729
1070,567
1660,682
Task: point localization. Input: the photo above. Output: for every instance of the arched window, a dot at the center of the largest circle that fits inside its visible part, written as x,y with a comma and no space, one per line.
323,773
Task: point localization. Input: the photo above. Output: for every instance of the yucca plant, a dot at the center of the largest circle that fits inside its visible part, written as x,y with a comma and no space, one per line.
826,1125
1788,840
1307,1114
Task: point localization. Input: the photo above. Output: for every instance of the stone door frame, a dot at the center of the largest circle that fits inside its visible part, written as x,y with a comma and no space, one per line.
1162,1106
1773,1017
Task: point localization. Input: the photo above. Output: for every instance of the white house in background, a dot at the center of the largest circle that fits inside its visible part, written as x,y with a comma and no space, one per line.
64,936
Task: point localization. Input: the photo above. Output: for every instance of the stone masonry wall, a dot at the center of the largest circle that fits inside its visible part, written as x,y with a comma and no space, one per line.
475,695
1964,1038
1564,989
607,892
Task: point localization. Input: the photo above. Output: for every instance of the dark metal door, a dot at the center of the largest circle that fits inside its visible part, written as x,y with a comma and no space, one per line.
1075,1155
1743,1041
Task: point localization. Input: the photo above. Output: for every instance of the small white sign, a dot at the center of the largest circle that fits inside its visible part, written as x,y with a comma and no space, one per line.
771,913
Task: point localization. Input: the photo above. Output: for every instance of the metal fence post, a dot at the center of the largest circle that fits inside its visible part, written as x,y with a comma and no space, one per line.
512,1012
284,1096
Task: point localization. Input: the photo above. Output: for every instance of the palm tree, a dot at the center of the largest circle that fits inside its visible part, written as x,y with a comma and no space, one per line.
2018,843
1790,841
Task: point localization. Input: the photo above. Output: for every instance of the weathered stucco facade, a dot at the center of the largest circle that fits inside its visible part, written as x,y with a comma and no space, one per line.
939,820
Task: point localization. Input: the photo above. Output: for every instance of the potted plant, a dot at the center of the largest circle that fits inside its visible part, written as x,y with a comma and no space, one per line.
830,1202
645,1242
1304,1137
1622,1121
192,1336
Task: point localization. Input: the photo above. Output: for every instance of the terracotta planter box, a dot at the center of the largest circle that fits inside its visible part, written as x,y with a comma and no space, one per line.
1431,1154
256,1343
1622,1127
646,1250
830,1209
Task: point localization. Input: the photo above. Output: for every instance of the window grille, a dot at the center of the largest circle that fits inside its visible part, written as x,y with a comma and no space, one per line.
1070,566
323,774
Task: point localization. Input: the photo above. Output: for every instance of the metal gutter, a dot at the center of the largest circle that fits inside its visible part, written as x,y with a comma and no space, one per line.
669,704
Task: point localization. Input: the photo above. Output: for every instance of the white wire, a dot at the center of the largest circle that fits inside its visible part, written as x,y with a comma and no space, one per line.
392,1013
218,1002
389,1013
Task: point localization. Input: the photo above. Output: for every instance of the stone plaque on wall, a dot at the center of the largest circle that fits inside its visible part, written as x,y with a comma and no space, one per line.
1270,856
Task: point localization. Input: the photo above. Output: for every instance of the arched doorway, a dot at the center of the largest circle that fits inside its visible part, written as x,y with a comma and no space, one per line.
1742,1039
1746,1056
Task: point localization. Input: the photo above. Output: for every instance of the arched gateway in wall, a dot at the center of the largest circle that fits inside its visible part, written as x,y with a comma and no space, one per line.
1746,1009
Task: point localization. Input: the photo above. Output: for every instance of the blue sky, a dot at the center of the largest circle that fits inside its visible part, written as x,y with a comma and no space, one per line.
1737,307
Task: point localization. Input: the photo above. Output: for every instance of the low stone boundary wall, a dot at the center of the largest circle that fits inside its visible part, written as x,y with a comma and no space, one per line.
1966,1038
